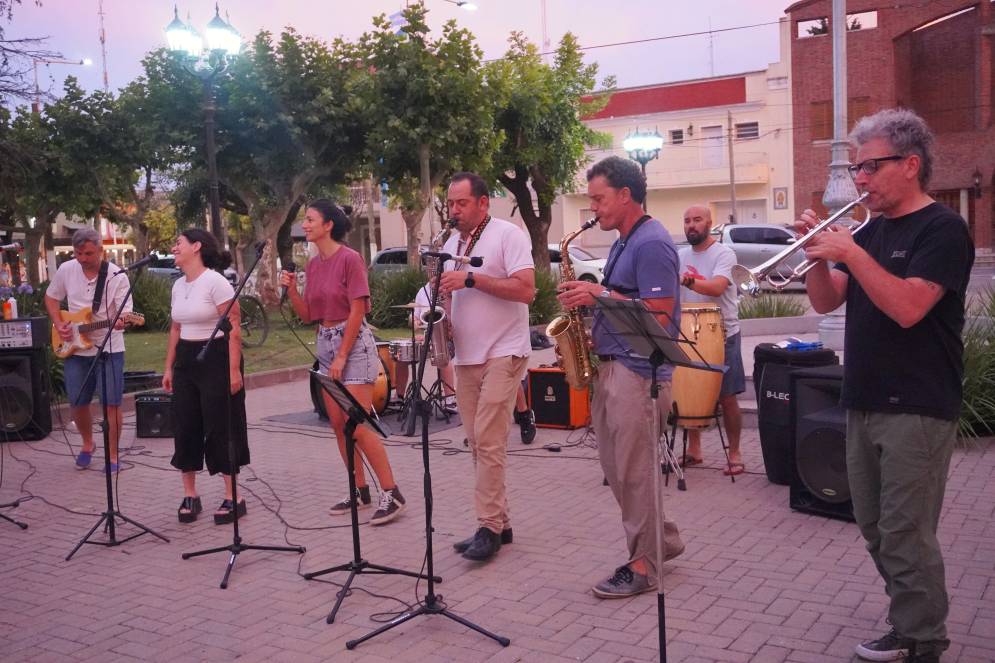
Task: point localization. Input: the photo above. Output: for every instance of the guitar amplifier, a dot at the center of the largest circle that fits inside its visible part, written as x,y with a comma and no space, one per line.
154,414
555,404
26,333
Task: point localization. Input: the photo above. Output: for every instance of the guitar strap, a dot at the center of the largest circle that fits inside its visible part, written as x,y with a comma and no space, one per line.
98,292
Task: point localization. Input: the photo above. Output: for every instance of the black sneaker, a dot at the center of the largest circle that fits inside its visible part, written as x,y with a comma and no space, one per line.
390,507
363,502
527,421
889,647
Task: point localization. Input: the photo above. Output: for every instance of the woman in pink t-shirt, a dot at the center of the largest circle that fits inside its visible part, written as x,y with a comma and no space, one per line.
337,295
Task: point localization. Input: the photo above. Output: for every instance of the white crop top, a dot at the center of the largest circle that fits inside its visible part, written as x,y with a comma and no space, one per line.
195,304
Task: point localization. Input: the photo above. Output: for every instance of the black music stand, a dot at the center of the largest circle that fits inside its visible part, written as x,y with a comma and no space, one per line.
640,329
357,415
224,326
108,516
432,605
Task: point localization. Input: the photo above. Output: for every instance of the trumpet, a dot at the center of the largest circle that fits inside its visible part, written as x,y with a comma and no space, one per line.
749,280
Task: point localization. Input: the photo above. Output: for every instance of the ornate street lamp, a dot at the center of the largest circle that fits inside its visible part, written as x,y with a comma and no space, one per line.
643,146
223,45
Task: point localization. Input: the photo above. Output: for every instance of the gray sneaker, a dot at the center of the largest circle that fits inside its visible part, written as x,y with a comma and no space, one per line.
624,582
390,507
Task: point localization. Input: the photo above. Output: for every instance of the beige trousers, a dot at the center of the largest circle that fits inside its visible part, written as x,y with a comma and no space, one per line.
620,412
485,394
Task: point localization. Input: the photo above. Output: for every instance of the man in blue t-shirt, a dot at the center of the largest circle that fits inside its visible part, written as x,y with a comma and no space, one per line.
642,265
904,279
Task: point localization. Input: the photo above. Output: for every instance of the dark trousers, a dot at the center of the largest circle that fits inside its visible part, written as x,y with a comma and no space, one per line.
199,393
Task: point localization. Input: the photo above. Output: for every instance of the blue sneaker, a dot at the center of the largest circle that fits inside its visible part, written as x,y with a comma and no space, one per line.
113,468
83,460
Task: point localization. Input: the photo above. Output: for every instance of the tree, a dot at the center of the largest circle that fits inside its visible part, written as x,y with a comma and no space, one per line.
429,109
16,57
538,115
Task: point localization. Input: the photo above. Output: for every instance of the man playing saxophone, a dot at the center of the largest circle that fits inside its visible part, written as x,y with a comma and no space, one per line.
642,264
490,323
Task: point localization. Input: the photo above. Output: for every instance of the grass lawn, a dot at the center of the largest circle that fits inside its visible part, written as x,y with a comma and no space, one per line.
146,351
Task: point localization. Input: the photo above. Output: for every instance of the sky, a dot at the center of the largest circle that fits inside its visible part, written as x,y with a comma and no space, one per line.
134,27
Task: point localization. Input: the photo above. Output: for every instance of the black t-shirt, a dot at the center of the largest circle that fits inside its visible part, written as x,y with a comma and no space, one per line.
916,370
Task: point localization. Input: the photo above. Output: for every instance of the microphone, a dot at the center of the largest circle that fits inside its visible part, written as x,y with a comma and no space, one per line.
138,265
475,261
292,267
10,247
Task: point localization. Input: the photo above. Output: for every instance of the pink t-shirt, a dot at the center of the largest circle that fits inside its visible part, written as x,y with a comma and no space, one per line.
332,283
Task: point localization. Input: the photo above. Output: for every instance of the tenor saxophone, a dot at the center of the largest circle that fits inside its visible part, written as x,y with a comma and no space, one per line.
567,331
442,348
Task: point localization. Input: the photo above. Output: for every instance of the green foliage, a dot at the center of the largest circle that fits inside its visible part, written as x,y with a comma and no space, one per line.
545,305
161,229
151,296
389,289
977,415
30,300
769,305
56,371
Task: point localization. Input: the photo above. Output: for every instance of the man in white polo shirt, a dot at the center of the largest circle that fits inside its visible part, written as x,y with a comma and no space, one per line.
76,281
490,321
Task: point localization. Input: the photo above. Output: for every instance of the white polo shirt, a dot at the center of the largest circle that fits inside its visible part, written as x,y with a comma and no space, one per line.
484,326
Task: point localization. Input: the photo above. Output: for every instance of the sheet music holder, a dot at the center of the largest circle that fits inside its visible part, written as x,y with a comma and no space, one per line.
356,415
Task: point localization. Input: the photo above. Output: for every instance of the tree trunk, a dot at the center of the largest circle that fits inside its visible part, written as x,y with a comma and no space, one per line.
536,222
32,252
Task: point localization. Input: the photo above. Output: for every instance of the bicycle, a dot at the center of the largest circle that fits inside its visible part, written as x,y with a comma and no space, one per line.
254,320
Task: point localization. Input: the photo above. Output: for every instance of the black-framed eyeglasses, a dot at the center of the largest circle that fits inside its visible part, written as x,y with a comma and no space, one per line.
870,166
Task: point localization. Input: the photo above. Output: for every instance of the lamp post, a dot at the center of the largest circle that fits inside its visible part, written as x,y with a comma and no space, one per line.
643,146
206,62
36,106
464,4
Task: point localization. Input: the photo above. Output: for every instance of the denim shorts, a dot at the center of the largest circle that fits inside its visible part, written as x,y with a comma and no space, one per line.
75,370
734,379
363,363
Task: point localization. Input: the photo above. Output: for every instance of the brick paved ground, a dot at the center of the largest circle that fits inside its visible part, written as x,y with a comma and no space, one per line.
757,582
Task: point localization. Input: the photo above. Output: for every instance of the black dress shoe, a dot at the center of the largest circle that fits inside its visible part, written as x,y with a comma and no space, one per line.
485,544
462,546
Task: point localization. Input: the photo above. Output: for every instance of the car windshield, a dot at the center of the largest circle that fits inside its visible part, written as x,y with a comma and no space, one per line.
578,253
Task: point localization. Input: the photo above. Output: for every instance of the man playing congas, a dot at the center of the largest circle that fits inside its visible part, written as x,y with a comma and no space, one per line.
706,274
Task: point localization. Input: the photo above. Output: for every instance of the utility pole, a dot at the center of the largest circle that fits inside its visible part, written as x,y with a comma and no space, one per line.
103,42
732,170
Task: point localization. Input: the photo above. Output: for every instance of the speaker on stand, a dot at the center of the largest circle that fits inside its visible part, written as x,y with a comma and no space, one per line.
820,486
25,400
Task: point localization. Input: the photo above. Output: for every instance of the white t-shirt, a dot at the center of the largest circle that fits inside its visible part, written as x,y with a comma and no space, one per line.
717,260
484,326
195,304
71,284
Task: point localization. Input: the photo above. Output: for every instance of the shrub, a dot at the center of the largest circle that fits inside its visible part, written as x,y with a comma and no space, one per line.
392,288
56,371
544,307
977,413
151,298
769,305
30,301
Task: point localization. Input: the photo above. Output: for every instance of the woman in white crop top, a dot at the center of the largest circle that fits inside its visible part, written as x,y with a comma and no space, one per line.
199,385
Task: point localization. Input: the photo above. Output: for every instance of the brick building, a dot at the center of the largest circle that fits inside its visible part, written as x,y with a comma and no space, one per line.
932,57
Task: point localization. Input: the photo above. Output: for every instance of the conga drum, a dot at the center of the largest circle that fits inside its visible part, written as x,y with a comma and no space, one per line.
696,392
383,349
381,390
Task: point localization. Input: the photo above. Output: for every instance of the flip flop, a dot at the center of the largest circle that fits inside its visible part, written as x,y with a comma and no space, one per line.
690,461
734,469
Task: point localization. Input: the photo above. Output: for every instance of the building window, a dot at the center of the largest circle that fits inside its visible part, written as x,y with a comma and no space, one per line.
813,27
862,21
676,136
747,130
820,118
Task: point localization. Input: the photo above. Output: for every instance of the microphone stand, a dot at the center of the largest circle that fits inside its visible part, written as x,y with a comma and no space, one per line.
432,604
236,547
110,513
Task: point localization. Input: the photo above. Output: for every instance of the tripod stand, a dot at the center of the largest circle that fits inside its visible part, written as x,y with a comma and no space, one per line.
236,546
357,415
432,605
435,396
110,514
640,329
12,505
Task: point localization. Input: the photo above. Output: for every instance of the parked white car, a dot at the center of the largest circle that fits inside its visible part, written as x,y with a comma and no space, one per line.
587,266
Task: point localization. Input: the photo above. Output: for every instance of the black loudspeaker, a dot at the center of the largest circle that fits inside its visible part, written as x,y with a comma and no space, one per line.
154,414
821,486
555,403
25,400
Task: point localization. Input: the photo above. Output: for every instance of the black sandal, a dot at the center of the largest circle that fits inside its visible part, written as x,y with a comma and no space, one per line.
228,516
190,505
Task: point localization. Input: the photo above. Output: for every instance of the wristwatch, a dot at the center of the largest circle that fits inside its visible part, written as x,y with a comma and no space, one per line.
470,281
605,293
